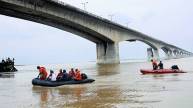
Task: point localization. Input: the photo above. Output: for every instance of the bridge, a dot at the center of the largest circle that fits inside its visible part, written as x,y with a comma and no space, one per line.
106,34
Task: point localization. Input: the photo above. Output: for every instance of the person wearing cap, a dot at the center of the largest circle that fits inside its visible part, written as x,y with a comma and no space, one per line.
52,76
42,73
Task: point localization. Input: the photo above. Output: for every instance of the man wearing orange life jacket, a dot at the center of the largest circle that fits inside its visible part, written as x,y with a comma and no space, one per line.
78,76
42,73
154,64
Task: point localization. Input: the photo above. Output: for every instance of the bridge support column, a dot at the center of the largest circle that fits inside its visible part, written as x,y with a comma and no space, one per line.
107,53
149,54
168,54
152,54
156,54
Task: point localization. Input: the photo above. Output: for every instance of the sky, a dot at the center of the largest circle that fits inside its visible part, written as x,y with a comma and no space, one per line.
33,43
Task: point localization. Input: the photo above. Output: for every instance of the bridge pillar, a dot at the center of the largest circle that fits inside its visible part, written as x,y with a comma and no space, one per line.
178,54
149,54
156,54
168,54
107,53
152,54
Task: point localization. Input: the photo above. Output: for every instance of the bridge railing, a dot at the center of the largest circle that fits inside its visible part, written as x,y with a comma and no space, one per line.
58,1
86,12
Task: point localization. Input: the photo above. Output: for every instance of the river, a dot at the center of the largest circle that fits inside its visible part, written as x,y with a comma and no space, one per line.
116,86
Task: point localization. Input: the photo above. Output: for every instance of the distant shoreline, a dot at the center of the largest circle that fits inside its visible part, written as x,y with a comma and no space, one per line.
20,65
121,61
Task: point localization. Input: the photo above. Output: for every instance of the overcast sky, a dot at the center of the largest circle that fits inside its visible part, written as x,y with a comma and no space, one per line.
32,43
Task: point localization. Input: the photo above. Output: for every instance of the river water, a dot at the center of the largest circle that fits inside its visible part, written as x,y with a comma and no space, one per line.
116,86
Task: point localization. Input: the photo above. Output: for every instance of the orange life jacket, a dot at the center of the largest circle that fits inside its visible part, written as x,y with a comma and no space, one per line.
78,76
154,63
43,73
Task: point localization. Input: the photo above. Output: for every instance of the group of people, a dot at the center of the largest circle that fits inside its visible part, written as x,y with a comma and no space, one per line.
157,66
8,61
7,65
161,65
61,76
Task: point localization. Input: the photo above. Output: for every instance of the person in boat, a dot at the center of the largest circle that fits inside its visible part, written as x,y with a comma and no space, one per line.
160,65
3,61
42,73
154,64
52,76
60,75
175,67
71,73
84,76
78,76
65,75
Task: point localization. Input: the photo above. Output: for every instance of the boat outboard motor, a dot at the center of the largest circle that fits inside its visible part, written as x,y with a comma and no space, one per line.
175,67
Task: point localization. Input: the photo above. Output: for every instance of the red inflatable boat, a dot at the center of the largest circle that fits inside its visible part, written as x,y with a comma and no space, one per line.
161,71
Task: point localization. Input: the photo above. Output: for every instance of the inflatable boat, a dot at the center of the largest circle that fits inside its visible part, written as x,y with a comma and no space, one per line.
46,83
161,71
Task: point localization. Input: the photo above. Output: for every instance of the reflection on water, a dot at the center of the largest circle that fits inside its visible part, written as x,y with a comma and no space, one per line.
109,69
7,74
60,96
166,77
42,92
78,96
116,86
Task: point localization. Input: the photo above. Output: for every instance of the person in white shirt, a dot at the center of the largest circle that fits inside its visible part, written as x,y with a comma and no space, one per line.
52,76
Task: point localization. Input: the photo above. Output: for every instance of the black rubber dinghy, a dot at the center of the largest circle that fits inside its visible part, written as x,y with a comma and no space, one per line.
46,83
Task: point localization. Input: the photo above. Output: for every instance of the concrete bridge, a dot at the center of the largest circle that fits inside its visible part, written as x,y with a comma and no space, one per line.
106,34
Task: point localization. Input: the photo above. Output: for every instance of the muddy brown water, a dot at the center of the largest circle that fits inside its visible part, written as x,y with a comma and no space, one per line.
116,86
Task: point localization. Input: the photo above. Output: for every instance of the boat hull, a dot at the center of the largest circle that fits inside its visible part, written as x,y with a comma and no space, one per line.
46,83
161,71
